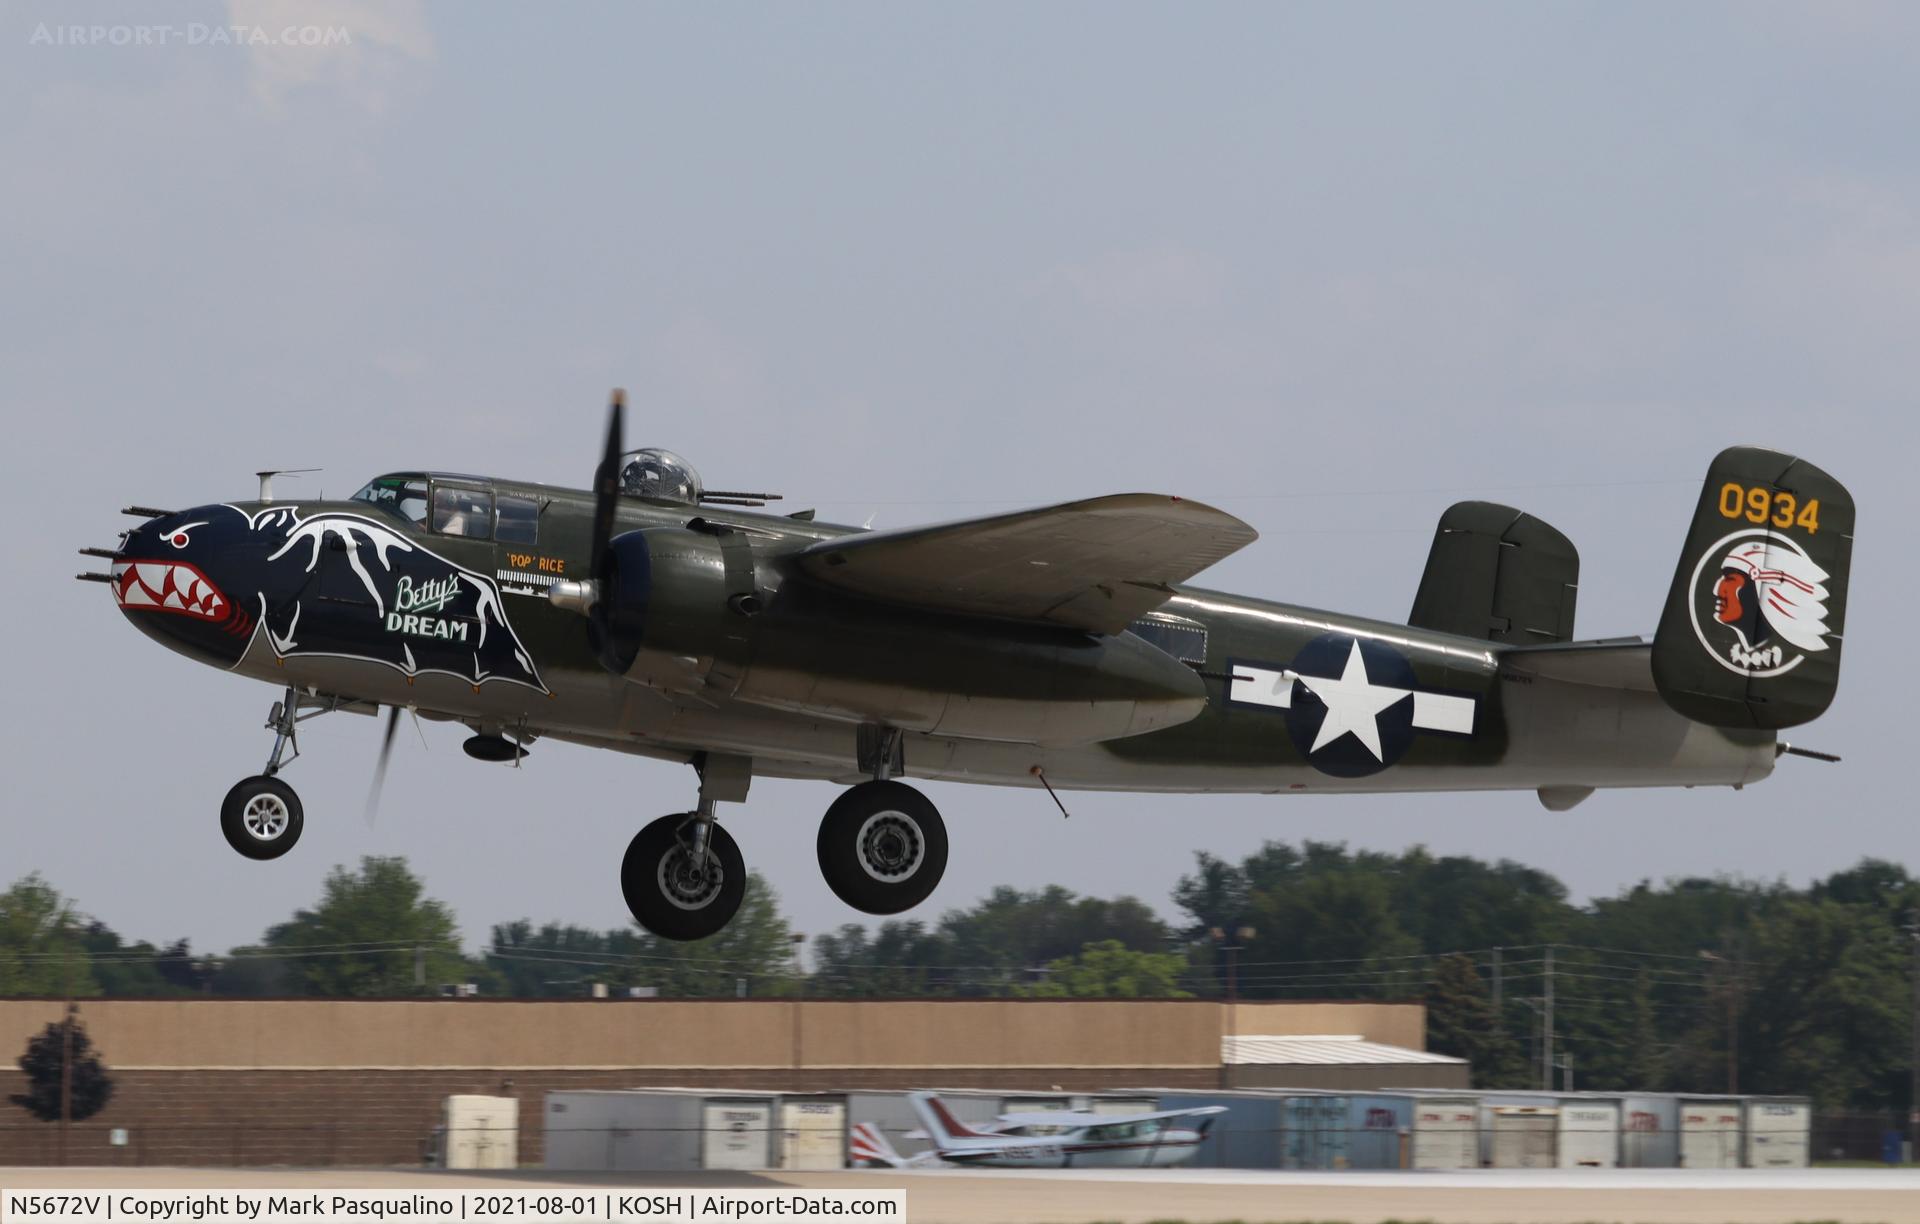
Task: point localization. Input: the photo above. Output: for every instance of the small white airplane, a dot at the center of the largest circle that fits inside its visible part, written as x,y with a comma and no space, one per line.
1051,1139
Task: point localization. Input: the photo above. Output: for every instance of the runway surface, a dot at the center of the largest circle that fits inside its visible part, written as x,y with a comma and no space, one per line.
1083,1196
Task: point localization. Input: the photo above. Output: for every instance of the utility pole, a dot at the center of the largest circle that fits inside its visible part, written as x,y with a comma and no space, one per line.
1913,1072
1730,983
66,1057
1496,984
66,1078
1733,1029
799,996
419,967
1546,1036
1231,945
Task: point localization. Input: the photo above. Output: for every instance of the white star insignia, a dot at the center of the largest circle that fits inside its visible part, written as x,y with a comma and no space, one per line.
1353,704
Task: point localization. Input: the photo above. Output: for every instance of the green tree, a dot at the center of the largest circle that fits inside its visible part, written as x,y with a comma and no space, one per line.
42,946
89,1085
754,952
900,959
1108,969
1329,934
1461,1022
373,934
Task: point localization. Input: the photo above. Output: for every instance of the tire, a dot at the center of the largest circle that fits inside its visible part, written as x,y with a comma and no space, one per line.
261,817
883,847
665,897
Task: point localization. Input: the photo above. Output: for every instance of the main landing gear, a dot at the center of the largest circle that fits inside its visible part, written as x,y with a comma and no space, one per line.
882,848
261,815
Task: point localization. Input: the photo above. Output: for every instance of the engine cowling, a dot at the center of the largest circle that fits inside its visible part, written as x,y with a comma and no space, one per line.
686,611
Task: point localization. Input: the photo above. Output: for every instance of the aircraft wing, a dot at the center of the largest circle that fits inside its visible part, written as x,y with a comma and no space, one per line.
1097,564
1073,1118
1610,663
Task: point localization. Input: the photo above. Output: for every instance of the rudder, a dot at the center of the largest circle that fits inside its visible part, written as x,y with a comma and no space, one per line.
1751,632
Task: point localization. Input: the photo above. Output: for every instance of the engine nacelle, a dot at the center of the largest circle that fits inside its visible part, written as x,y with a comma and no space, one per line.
686,611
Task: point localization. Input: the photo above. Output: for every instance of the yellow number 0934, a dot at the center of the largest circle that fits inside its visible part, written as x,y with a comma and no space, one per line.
1762,505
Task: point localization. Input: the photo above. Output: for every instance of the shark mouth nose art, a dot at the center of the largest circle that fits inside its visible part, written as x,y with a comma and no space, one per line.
168,586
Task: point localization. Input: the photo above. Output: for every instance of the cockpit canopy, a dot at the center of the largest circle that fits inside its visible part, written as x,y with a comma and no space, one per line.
660,476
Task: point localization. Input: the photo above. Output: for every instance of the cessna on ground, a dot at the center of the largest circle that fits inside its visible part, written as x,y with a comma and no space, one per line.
1049,1139
1059,648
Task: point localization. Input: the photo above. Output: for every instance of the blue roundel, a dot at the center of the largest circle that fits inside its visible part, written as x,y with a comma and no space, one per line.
1351,711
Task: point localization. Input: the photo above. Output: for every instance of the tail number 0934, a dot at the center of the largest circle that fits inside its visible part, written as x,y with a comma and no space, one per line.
1757,504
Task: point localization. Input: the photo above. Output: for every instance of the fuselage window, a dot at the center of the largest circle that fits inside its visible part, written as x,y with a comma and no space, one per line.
519,519
406,498
1183,639
462,512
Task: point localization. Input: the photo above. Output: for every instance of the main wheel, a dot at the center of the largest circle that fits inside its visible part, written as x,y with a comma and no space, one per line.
883,847
261,817
670,893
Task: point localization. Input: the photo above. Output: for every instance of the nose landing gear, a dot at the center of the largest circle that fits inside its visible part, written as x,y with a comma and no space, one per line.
261,816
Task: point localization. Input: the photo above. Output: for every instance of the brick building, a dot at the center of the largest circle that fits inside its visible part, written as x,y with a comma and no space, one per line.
360,1082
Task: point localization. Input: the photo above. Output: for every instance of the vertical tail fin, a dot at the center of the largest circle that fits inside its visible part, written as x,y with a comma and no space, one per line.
942,1127
867,1145
1750,636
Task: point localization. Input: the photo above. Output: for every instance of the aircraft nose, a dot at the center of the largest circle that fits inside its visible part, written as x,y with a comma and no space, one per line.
168,580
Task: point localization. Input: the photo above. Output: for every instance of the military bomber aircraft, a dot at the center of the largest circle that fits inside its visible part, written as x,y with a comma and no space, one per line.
1057,648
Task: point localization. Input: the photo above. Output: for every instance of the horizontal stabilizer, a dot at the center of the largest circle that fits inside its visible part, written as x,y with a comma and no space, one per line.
1608,663
1500,575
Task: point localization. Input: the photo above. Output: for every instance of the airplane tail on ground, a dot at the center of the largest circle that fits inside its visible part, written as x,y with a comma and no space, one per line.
1751,633
865,1143
942,1127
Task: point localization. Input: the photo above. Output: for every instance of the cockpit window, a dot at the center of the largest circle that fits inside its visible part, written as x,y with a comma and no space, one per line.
519,519
462,512
397,496
661,476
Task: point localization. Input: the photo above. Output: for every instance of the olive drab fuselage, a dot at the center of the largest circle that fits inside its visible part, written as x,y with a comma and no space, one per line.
737,652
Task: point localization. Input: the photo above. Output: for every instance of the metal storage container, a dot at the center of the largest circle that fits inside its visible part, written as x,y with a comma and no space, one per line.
813,1131
1649,1131
480,1132
659,1130
1589,1133
1779,1132
1525,1136
1446,1132
1379,1130
1315,1134
1710,1129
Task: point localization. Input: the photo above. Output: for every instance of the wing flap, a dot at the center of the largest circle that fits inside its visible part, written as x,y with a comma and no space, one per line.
1097,564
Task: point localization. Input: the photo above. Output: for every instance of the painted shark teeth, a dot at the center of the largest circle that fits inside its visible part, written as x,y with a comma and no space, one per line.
167,586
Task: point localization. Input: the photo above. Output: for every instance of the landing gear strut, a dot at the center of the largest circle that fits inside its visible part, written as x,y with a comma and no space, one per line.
683,877
261,816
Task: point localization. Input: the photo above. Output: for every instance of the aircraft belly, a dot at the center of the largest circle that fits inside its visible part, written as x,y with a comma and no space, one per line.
1581,735
1528,733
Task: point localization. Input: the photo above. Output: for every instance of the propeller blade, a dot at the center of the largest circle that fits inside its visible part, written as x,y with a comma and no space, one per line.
606,486
380,767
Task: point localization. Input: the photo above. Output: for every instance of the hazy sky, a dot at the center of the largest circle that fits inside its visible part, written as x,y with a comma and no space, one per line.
1329,266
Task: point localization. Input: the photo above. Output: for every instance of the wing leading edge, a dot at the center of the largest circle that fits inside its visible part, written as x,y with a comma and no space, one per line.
1097,564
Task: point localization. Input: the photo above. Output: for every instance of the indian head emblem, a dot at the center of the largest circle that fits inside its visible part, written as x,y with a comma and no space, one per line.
1759,603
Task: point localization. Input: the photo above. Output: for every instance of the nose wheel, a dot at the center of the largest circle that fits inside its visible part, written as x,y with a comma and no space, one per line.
677,887
882,847
261,817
